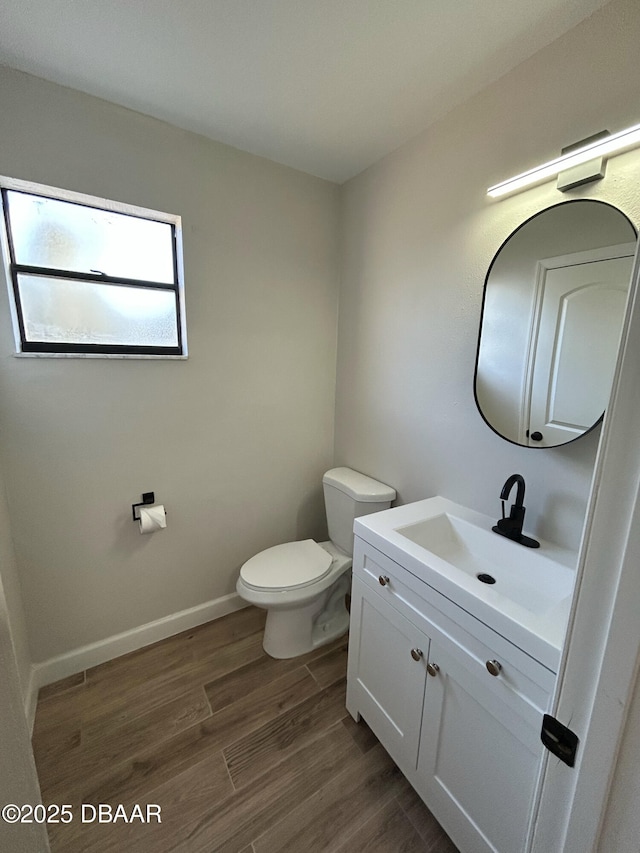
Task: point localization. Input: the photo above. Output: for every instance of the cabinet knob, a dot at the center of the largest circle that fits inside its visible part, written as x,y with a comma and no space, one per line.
433,668
383,580
494,667
416,654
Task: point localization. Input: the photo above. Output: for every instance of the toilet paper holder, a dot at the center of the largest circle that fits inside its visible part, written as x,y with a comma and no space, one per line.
147,499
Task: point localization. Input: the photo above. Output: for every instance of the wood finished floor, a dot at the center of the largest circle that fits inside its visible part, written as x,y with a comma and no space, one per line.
244,754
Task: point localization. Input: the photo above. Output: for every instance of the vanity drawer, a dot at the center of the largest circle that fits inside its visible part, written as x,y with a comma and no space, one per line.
390,580
523,683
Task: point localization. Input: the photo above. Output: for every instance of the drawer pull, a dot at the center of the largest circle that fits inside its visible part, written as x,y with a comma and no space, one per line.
433,668
416,654
383,580
494,667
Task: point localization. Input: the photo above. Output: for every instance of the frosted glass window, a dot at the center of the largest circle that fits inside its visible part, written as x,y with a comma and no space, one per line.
90,276
65,236
58,310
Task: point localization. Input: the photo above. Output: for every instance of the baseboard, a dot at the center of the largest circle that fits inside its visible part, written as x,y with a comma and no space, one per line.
62,666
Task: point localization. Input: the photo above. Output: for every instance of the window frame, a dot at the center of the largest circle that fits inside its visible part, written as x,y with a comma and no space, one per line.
75,350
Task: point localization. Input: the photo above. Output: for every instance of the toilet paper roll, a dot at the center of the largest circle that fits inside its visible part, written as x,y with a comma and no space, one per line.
152,518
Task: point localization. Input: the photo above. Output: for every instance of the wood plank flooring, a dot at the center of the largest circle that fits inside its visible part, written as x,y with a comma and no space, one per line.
243,753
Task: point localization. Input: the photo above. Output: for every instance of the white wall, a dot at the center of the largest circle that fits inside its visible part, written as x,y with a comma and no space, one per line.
621,827
10,581
233,441
419,234
18,780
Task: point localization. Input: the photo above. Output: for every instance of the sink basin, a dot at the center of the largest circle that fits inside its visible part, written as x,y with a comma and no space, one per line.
522,593
529,579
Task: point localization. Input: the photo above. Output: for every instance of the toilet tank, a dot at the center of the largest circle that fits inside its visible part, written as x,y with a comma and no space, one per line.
348,495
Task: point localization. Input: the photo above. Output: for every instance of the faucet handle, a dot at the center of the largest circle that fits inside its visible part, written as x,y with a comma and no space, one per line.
504,515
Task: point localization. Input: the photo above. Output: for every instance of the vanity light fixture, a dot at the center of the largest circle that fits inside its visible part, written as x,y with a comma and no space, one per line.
591,150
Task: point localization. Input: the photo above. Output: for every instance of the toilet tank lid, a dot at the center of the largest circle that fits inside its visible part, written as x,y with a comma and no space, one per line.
358,486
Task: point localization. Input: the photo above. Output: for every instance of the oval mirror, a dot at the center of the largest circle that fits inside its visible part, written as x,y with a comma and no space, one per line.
552,311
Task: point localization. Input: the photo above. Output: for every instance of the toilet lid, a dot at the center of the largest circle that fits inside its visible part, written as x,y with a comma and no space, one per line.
289,565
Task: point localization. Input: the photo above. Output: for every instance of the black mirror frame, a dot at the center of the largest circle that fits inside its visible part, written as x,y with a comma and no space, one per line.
482,309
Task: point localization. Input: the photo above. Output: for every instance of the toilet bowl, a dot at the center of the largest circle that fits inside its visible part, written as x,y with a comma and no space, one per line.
303,585
294,582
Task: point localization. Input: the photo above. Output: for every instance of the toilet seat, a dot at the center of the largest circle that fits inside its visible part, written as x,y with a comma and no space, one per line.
288,566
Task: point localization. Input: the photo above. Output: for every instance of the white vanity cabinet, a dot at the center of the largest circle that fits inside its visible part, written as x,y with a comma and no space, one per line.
420,673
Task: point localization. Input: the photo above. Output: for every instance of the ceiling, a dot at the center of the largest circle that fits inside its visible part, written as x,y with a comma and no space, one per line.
325,86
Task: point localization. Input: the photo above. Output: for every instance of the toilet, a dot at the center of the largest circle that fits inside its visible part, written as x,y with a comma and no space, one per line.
303,585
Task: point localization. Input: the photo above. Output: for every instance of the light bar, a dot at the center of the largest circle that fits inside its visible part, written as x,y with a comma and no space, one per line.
616,142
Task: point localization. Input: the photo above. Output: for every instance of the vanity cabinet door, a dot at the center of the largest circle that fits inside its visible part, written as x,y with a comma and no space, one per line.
386,673
478,758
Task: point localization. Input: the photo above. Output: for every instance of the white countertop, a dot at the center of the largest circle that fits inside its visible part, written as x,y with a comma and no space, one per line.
539,631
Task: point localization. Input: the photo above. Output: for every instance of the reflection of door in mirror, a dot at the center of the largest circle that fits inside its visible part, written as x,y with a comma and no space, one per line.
575,330
552,308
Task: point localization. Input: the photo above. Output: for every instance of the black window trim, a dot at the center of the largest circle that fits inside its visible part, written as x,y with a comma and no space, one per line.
97,277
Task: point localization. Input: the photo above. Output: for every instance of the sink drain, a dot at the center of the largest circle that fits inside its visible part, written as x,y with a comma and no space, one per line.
486,578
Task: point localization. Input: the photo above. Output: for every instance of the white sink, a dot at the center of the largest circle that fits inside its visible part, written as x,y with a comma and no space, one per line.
448,546
523,575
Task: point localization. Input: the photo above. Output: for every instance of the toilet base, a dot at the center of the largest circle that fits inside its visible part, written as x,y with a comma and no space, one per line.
289,633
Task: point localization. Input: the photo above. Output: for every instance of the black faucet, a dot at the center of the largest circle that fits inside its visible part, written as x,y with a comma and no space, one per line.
512,527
